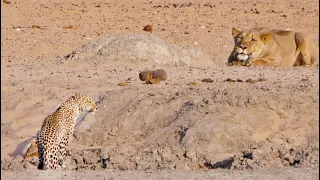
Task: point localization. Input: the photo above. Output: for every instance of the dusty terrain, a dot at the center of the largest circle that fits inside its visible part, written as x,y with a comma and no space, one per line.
257,129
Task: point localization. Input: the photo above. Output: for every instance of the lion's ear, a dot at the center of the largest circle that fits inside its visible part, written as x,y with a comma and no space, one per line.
235,32
266,37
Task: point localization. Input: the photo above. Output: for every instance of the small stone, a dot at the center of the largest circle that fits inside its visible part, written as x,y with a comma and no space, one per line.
290,141
283,115
230,80
207,80
191,154
192,83
122,84
252,81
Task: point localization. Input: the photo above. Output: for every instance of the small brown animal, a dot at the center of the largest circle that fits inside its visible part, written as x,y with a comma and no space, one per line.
145,75
152,81
158,74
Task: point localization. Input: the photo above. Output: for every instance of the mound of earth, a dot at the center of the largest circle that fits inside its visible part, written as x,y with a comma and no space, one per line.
172,125
139,49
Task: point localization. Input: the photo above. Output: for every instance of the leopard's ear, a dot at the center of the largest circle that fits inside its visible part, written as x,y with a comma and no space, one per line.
75,95
266,37
235,32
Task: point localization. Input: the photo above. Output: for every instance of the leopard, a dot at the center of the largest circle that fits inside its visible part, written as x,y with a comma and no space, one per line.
263,46
57,129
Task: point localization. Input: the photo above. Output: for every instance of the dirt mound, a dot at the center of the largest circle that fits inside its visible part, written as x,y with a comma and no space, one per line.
253,159
139,49
164,158
173,125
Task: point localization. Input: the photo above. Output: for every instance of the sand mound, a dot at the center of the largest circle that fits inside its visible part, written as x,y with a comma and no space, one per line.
138,49
171,125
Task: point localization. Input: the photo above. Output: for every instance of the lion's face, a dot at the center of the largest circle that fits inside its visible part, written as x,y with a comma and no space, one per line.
249,43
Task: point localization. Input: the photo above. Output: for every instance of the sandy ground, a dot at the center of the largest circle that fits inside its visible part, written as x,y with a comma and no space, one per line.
173,126
294,174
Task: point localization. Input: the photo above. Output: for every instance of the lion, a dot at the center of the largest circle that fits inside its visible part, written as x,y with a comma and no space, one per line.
272,47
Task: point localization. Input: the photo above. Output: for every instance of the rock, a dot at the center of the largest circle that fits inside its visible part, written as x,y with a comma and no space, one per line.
77,158
191,154
17,164
5,164
166,154
182,166
34,161
30,166
207,80
147,28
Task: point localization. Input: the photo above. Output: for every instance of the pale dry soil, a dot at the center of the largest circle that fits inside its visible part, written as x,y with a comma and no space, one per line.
293,174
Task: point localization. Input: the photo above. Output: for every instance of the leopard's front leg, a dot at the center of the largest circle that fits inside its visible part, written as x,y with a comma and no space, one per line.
63,144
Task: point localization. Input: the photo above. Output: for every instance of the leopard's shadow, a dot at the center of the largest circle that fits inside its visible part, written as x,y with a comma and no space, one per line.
20,148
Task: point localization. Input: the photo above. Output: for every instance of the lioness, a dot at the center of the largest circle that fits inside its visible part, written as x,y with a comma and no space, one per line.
272,47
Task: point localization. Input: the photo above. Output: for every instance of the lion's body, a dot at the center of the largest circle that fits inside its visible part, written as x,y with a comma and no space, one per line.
266,47
57,128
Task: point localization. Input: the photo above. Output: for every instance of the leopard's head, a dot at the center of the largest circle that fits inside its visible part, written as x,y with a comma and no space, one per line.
85,102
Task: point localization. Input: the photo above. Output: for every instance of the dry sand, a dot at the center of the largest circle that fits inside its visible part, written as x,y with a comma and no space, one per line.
283,174
266,129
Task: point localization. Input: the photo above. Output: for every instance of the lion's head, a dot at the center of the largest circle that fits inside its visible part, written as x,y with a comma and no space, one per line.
249,43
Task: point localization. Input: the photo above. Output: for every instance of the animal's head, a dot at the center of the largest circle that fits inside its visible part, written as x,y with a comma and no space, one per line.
145,75
250,43
86,103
